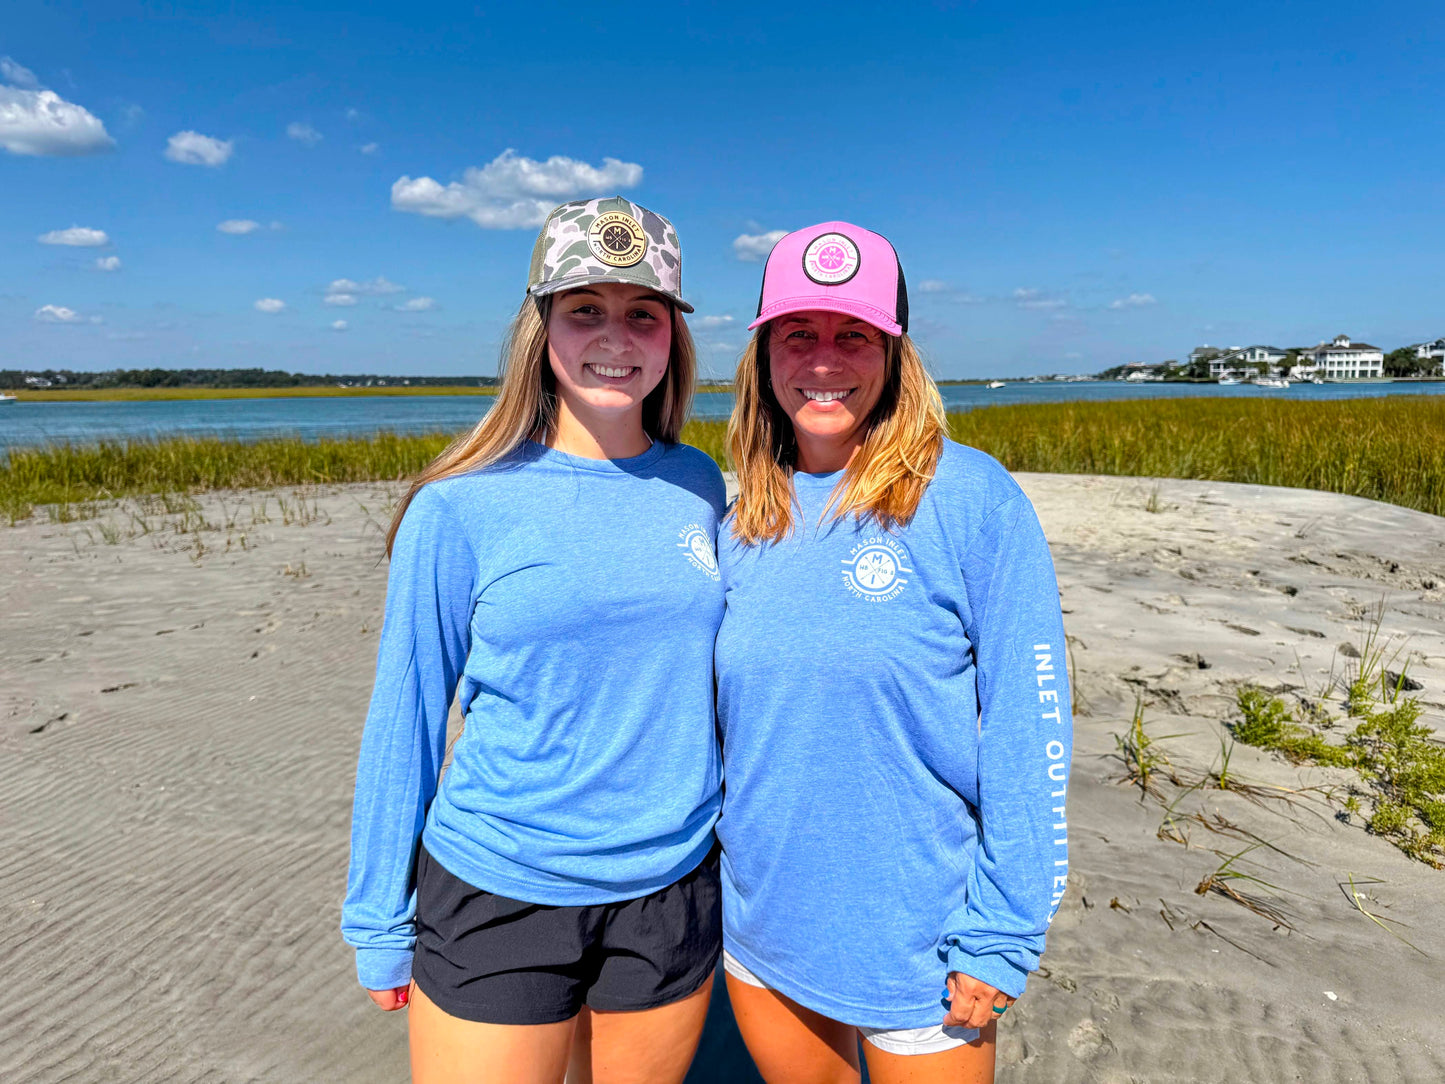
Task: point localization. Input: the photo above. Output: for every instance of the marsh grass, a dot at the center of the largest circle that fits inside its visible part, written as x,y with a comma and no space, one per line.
69,476
1388,449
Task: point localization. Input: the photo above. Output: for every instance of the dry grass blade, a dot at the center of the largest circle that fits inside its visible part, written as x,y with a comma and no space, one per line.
1355,896
1222,881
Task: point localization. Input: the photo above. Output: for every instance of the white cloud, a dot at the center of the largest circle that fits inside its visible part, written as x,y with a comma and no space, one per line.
713,321
303,133
377,287
369,148
238,226
339,325
341,299
108,263
17,75
193,149
934,286
1037,299
751,247
58,314
1133,301
270,305
417,304
511,192
77,236
43,124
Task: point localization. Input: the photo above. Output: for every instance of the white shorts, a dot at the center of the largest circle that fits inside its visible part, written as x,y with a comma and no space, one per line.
892,1040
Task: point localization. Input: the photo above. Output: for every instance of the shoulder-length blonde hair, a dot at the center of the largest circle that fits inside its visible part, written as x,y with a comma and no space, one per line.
526,404
884,481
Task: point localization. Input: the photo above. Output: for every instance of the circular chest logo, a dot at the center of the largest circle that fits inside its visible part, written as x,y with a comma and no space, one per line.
877,569
831,259
696,546
617,239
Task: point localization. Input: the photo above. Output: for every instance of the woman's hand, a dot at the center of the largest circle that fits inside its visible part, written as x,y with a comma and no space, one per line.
971,1002
391,1000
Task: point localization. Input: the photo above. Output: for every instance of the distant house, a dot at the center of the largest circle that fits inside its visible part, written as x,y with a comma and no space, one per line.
1342,360
37,381
1432,351
1242,360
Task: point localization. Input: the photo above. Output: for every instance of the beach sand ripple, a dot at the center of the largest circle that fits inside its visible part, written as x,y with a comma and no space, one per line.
180,713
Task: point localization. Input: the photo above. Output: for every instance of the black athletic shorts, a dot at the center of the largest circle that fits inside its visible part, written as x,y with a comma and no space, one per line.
484,957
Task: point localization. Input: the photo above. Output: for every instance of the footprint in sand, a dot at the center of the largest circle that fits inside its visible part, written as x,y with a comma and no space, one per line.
1088,1042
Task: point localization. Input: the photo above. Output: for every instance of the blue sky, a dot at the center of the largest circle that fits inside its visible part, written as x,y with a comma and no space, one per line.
1069,185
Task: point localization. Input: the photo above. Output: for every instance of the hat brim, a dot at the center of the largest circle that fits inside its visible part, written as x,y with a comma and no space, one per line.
557,286
842,305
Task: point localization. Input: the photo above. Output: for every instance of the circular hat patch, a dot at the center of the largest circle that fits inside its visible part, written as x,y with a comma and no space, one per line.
830,259
617,239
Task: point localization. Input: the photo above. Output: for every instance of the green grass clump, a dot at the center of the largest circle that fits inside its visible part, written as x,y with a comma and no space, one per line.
1388,449
1268,723
1400,759
1143,764
1396,757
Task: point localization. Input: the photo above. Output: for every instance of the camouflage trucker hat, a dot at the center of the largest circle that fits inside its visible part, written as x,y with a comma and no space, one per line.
606,240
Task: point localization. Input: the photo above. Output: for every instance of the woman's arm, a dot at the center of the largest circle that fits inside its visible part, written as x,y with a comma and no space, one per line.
424,643
1024,745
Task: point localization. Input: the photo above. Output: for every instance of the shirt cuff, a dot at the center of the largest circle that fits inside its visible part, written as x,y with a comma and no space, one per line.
992,969
383,968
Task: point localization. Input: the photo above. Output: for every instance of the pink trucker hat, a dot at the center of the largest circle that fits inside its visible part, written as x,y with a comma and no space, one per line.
836,267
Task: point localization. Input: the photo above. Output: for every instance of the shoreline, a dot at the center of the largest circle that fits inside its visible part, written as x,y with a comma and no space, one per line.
331,391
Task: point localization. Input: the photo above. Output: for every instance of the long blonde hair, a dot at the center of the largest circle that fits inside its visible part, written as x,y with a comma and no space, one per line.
885,479
526,404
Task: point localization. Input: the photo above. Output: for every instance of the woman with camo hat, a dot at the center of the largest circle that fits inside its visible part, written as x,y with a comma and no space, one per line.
891,695
558,890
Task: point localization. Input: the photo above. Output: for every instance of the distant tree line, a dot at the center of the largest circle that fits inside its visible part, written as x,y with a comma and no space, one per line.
215,378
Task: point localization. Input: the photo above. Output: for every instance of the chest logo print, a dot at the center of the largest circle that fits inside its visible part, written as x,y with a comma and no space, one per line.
697,548
877,569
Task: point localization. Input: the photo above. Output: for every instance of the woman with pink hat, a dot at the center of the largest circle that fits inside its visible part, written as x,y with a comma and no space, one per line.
892,695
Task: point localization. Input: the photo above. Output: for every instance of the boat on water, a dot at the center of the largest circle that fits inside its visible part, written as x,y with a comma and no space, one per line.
1271,382
995,384
1229,381
6,398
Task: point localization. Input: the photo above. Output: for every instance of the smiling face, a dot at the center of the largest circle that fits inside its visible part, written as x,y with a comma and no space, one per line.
608,345
827,371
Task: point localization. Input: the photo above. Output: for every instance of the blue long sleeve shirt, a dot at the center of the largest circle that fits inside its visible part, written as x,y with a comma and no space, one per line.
575,601
894,709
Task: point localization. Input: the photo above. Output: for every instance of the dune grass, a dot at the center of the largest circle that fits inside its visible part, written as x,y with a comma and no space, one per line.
1390,449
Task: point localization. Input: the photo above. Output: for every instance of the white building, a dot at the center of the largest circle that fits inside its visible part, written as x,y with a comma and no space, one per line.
1342,360
1246,360
1432,351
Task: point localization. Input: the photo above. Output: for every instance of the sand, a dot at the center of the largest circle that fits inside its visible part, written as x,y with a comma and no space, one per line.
180,711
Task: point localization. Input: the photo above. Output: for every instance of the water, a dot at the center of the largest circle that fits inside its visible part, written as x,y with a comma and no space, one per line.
28,424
